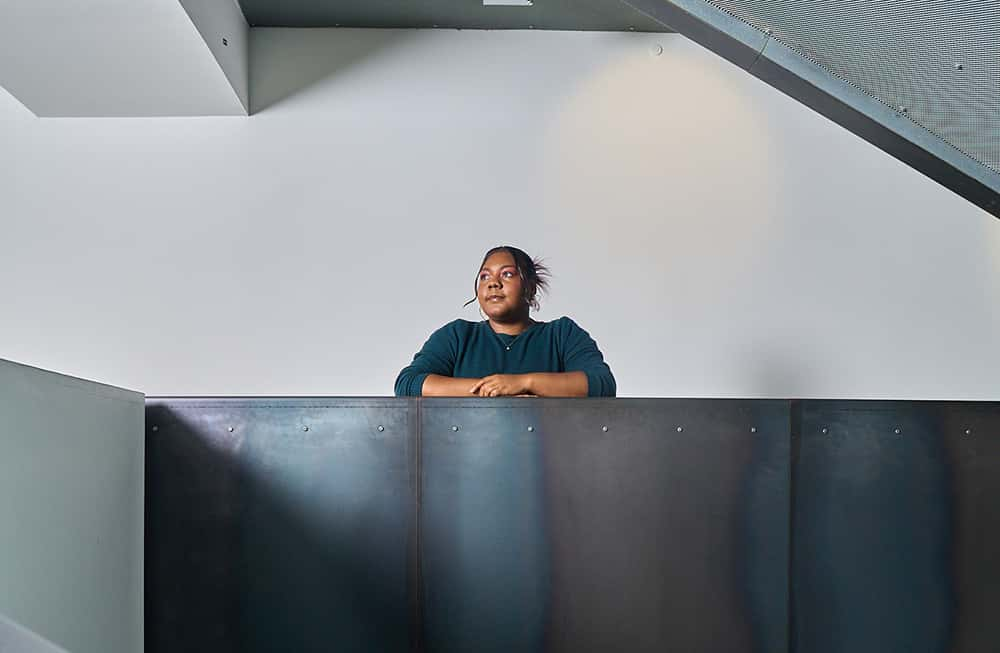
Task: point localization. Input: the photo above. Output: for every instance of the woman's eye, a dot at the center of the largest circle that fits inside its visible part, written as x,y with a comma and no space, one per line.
508,274
482,277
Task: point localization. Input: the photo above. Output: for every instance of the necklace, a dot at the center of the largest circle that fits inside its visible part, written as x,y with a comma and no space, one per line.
514,339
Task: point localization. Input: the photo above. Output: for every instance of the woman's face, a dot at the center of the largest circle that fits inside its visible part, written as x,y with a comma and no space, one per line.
499,289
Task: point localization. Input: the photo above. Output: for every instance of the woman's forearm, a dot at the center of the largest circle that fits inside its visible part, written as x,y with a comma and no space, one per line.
558,384
436,385
541,384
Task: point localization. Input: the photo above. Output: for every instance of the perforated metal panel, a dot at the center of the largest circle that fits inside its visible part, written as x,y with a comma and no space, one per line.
918,79
937,62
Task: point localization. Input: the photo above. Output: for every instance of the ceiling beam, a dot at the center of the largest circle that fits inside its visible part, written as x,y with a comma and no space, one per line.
123,58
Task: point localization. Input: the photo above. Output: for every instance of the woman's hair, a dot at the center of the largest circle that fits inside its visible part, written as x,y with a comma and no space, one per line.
534,275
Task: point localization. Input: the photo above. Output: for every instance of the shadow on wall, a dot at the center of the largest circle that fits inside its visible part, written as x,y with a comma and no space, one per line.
781,367
285,62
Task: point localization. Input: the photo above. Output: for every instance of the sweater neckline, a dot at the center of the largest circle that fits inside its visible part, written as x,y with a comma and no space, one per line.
508,337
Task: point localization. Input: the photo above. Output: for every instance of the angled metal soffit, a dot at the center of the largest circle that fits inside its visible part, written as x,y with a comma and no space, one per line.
918,79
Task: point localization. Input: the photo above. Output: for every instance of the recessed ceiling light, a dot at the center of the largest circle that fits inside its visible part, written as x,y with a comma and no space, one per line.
507,3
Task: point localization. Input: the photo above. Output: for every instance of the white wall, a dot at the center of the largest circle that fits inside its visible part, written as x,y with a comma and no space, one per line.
715,237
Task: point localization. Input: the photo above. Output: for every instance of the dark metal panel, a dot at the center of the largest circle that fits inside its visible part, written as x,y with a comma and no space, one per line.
972,431
483,531
278,525
608,15
666,531
894,526
540,530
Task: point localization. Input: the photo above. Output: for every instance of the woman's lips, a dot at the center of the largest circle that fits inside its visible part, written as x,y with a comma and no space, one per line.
494,297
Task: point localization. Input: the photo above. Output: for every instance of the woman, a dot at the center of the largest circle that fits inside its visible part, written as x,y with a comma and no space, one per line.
508,354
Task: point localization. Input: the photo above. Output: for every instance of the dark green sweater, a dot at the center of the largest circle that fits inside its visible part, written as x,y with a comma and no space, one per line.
464,349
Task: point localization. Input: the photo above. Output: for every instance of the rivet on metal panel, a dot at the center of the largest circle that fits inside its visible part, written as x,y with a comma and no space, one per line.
531,27
631,29
897,430
903,109
531,429
454,428
959,66
968,431
604,428
305,428
381,428
680,429
825,430
753,429
230,429
656,50
768,31
156,428
225,42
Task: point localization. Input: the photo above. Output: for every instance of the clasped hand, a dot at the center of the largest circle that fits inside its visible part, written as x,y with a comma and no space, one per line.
503,385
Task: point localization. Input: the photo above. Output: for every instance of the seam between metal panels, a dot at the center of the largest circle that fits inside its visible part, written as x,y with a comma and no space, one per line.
417,554
795,439
760,52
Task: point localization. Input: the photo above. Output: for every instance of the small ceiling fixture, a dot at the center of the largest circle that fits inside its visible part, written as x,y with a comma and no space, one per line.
507,3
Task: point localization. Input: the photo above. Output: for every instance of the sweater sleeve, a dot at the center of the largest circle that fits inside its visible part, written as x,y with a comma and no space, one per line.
580,354
437,356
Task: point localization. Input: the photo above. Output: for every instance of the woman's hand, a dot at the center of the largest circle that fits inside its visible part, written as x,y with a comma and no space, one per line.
535,384
503,385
